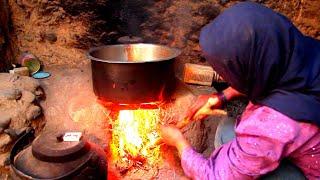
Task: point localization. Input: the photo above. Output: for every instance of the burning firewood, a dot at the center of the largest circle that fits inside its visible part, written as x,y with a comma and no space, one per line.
215,112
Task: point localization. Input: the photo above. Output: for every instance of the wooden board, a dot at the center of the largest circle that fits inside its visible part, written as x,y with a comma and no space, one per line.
200,74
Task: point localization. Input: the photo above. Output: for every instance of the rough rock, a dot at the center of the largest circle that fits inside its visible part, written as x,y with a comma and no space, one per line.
50,37
4,159
33,112
9,94
19,132
12,133
5,141
11,81
22,71
19,97
28,97
4,121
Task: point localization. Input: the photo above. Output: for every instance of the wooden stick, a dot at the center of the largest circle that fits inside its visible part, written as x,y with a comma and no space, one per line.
215,112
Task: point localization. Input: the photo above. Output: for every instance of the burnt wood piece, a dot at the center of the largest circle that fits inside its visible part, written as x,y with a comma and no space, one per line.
200,74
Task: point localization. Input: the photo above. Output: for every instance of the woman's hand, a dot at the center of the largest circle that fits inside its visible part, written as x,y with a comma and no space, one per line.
204,106
172,136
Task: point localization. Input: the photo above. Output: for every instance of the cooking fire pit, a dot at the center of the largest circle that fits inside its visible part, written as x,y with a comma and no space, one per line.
75,106
133,80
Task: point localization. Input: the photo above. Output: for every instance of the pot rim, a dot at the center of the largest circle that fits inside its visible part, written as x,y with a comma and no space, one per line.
176,53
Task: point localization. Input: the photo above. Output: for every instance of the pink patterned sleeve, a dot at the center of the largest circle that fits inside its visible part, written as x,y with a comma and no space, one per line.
217,166
263,137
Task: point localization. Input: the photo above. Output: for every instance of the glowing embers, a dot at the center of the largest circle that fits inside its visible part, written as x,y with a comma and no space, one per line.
135,136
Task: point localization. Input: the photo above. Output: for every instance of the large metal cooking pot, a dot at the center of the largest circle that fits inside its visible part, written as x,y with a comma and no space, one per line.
132,73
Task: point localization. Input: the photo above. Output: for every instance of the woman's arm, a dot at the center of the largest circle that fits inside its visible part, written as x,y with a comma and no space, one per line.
258,148
231,93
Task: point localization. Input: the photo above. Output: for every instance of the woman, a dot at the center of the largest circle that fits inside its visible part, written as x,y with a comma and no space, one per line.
264,57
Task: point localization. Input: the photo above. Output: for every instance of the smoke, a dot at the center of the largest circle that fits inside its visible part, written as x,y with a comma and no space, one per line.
132,14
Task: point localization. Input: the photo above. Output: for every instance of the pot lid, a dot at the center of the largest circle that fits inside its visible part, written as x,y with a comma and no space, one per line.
29,166
51,158
50,147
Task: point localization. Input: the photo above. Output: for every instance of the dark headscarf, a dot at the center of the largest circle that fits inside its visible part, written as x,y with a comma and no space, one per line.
263,55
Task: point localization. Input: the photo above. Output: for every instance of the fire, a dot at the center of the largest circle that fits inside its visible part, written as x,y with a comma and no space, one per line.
135,136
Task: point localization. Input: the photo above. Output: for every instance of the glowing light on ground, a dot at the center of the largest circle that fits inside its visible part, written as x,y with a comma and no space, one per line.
135,136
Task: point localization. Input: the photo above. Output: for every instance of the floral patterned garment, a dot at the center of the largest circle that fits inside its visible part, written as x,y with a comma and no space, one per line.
264,136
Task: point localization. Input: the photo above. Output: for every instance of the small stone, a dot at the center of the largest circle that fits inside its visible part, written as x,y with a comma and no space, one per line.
39,92
10,94
28,37
51,37
113,33
5,121
194,38
22,71
224,1
20,131
4,159
5,140
27,97
12,133
196,48
33,112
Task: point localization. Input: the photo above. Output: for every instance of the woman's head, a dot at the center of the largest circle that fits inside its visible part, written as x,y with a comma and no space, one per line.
263,55
250,46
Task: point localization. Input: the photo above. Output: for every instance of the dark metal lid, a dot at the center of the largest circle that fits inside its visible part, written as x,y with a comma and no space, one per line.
50,148
55,159
130,40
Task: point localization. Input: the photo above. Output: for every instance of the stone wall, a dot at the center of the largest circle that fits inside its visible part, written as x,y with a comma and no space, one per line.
60,32
5,42
19,110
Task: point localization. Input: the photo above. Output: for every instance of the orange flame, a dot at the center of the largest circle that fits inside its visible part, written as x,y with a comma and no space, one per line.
135,136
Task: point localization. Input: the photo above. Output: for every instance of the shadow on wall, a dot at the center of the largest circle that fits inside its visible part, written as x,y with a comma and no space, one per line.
109,19
6,54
